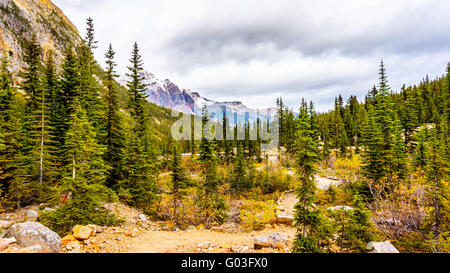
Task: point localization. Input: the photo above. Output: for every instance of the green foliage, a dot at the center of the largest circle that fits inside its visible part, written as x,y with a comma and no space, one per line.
309,220
353,227
84,177
138,188
114,137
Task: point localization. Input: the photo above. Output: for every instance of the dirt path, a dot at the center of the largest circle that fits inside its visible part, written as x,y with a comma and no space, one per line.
200,241
205,241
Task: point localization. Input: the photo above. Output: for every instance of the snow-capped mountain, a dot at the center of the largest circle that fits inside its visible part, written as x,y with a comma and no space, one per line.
167,94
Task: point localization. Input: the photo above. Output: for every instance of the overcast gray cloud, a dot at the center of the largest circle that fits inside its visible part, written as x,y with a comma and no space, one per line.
256,50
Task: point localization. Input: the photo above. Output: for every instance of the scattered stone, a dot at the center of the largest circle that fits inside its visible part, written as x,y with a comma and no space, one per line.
274,240
346,208
285,219
205,245
142,217
4,243
82,232
219,229
5,224
74,247
68,239
32,216
226,246
96,229
200,227
381,247
48,210
33,233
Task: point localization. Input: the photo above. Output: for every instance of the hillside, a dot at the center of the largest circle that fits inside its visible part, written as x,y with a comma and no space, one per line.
22,18
54,31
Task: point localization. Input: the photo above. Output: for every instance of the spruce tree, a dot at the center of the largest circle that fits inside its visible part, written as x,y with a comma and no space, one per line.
436,177
212,203
180,180
139,184
90,39
136,88
84,177
29,161
308,219
69,90
114,140
239,180
9,124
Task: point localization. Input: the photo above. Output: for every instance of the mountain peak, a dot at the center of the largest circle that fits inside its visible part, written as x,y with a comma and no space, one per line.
168,94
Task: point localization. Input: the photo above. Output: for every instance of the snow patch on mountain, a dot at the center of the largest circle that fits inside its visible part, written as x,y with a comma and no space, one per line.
167,94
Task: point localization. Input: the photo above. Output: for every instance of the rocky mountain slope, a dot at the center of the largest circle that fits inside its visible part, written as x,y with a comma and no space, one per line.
23,18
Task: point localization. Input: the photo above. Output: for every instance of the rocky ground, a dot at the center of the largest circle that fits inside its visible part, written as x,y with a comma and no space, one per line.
21,233
139,235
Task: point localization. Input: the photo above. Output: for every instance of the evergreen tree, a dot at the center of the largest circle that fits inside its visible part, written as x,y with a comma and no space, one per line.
84,177
354,229
373,168
69,90
212,203
136,88
114,133
239,180
208,157
436,176
180,180
90,39
420,153
308,218
139,183
29,160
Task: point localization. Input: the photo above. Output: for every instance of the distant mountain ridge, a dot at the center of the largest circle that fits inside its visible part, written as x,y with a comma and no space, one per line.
167,94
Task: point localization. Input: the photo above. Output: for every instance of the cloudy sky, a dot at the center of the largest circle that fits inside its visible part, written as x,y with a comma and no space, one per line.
257,50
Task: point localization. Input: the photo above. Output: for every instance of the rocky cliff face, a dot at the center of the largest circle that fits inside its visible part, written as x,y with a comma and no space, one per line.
21,18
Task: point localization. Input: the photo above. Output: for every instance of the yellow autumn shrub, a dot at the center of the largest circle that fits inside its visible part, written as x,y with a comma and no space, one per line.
255,215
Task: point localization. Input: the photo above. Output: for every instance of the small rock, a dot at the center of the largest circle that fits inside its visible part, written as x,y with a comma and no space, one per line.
33,233
49,210
4,243
381,247
96,229
205,245
142,217
68,239
82,232
218,229
285,219
5,224
346,208
32,216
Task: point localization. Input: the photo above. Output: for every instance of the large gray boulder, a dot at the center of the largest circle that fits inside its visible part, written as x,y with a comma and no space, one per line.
32,233
275,240
381,247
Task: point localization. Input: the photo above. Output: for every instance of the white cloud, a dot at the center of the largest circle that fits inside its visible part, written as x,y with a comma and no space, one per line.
255,50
